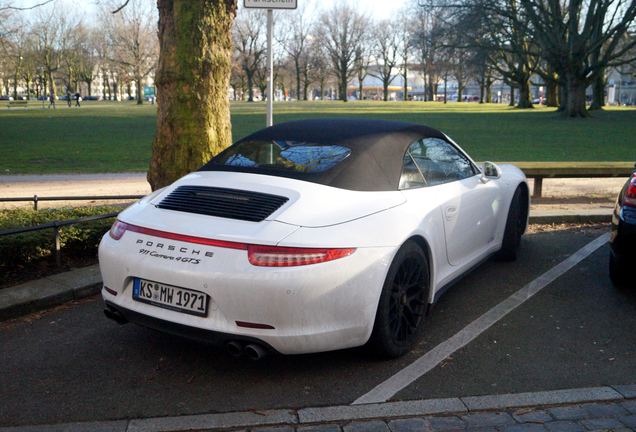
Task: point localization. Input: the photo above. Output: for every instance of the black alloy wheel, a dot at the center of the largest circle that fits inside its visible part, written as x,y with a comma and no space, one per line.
515,227
403,303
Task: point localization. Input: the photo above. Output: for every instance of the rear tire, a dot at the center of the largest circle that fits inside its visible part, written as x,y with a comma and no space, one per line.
403,303
617,272
515,226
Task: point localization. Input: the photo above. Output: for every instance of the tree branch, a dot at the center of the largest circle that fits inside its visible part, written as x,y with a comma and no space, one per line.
120,7
25,8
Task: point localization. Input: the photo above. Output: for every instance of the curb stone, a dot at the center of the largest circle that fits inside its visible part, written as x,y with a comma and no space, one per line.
49,291
561,410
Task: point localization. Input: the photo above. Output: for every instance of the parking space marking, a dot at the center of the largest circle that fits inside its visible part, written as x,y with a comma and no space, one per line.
389,388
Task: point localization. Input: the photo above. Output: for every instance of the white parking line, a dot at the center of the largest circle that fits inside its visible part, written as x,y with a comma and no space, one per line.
428,361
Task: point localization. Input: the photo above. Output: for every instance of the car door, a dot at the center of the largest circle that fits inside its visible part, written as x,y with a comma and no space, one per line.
469,206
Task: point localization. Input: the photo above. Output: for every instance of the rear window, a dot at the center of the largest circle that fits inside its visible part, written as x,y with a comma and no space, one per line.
294,156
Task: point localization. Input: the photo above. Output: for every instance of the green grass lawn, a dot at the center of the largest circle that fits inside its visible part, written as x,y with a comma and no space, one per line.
117,137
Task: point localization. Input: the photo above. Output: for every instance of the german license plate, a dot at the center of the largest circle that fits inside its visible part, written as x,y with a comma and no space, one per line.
170,297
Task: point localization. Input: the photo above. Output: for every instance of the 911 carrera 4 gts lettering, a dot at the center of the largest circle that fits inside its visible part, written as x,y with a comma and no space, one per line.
169,257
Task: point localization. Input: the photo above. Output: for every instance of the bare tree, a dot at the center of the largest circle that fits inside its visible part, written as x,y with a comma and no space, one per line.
51,27
429,34
344,29
361,65
87,68
294,34
250,44
404,29
386,47
580,39
319,65
134,41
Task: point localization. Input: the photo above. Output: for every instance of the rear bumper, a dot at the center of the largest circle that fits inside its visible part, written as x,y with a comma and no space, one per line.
194,333
313,308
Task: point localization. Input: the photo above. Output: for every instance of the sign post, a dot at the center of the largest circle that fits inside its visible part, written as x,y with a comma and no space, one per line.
270,5
269,120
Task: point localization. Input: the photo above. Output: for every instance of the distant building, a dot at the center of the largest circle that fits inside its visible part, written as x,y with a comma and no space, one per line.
621,85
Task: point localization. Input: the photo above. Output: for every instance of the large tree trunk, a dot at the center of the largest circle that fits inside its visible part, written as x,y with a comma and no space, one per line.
405,95
342,86
250,85
140,91
297,65
15,87
551,94
524,95
192,78
563,97
445,89
575,104
385,91
598,92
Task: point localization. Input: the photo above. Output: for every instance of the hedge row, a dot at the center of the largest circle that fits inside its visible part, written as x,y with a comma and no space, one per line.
19,252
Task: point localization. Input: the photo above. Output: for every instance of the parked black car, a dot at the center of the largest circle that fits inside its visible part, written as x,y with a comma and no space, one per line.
623,235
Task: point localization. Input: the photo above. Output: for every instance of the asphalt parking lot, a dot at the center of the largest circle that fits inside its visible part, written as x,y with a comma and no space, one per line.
72,364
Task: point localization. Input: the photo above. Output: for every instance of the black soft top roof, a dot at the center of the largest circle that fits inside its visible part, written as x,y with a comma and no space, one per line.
377,150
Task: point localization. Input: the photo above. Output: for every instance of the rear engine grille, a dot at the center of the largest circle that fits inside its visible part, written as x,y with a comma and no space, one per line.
222,202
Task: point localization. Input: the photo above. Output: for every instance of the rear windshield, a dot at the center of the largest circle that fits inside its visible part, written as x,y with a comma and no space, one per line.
293,156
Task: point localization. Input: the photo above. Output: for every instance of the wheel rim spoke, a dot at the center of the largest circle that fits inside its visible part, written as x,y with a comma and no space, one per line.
407,300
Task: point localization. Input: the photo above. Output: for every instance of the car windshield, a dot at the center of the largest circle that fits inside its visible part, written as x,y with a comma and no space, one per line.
292,156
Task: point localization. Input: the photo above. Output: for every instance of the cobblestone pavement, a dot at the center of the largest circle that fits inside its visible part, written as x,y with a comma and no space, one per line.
610,416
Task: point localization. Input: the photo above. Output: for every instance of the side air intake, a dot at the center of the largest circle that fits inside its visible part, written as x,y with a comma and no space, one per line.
223,202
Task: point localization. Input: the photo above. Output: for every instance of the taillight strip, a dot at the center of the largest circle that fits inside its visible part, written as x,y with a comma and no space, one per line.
258,255
186,238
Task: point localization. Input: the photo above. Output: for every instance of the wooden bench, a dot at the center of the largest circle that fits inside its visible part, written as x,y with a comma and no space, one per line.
540,170
22,103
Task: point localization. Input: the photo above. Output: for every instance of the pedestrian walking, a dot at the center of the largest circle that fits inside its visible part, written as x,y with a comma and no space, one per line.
68,98
78,99
52,100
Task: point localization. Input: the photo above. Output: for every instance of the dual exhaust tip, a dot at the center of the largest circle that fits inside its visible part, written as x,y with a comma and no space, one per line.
252,351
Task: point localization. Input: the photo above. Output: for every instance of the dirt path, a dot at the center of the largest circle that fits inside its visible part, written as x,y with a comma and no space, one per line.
71,185
590,193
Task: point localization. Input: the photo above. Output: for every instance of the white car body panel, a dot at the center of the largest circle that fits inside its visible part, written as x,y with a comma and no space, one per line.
318,307
309,204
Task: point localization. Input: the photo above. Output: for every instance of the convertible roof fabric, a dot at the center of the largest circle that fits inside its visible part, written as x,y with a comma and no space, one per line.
377,150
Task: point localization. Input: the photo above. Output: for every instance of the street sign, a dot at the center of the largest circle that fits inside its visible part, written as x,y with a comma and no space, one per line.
270,4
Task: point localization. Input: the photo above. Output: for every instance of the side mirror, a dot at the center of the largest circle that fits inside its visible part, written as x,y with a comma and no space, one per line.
490,171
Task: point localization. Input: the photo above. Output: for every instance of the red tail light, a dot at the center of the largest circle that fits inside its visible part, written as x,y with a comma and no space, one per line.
629,199
118,229
276,256
258,255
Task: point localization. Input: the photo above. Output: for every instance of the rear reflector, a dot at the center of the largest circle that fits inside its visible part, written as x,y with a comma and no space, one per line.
258,255
254,325
110,291
277,256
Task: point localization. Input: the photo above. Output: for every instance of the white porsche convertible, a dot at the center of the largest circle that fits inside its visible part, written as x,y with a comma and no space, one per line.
310,236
